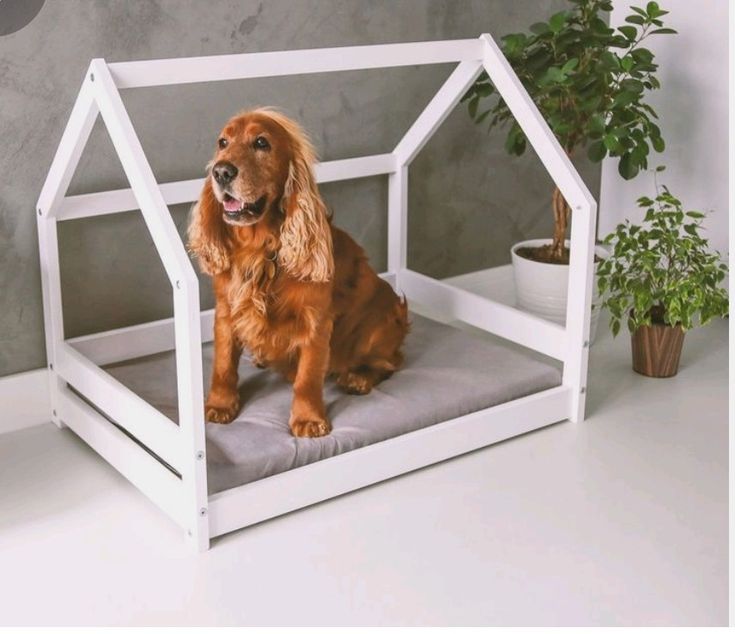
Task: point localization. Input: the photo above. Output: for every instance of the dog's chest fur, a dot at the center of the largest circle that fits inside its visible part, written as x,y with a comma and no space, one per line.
268,318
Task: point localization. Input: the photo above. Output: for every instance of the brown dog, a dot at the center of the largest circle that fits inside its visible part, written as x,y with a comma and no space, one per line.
294,290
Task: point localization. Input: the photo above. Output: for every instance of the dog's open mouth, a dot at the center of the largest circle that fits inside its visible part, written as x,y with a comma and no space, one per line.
235,208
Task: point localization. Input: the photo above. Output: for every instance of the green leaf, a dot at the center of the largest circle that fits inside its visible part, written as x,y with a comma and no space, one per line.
484,90
570,65
624,98
597,151
615,326
611,143
658,144
642,55
599,26
513,44
664,31
632,85
557,21
553,75
627,168
653,9
540,28
596,126
635,19
630,32
627,63
515,142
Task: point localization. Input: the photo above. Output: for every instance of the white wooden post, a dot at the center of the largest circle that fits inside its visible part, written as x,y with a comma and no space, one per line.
66,159
579,304
397,219
561,170
186,297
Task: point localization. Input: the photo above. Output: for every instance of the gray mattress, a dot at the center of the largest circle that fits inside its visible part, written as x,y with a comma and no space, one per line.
448,373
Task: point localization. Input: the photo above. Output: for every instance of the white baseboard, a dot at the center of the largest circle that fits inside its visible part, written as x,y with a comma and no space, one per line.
24,400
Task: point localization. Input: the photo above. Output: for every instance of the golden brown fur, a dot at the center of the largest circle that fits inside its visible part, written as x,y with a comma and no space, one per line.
290,287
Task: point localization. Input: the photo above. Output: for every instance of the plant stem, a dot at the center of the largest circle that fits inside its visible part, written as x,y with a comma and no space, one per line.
561,219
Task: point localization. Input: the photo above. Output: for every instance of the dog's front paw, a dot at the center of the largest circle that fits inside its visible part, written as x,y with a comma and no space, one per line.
217,411
310,428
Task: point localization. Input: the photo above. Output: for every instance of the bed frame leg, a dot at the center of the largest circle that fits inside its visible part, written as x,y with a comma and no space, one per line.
578,405
199,543
52,316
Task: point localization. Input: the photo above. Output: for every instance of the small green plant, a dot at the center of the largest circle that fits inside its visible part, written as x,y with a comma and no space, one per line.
589,82
663,270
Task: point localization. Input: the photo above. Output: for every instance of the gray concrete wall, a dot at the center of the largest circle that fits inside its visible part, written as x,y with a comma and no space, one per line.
469,201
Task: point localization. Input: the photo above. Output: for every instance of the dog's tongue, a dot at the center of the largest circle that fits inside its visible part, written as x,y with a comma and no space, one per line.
231,204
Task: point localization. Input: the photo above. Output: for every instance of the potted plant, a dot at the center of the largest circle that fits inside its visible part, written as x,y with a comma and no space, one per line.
589,82
662,279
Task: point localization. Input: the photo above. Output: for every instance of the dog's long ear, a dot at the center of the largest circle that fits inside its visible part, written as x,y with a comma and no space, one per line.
306,239
207,238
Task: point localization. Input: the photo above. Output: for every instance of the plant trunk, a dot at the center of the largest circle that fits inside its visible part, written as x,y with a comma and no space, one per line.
657,349
561,220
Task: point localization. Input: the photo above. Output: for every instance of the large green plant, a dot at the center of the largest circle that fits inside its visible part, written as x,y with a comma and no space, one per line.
662,270
589,82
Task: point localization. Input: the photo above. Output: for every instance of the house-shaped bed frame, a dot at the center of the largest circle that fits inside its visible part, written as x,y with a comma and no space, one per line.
74,365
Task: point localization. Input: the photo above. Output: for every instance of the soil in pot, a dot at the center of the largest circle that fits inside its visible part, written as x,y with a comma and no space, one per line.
657,348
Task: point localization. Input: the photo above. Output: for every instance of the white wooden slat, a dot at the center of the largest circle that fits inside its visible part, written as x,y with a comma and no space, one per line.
157,432
441,104
131,342
187,70
72,144
119,200
139,174
505,321
161,486
270,497
540,136
186,191
356,167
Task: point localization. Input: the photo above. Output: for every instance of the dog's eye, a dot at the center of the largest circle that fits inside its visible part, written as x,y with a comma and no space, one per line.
261,143
222,142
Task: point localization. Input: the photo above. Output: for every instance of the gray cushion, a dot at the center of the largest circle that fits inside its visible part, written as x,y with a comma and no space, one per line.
447,373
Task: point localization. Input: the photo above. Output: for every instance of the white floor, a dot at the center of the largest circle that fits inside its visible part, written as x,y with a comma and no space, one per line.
619,520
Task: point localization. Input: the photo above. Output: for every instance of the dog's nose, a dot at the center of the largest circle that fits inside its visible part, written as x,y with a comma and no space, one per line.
224,172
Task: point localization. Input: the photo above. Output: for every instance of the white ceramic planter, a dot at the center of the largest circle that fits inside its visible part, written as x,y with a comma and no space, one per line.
541,288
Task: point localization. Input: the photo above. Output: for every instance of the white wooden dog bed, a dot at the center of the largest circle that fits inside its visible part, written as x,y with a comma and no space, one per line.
456,393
